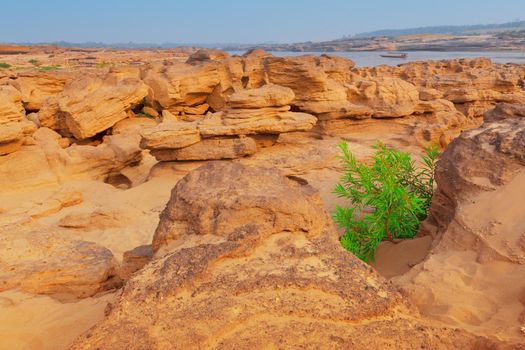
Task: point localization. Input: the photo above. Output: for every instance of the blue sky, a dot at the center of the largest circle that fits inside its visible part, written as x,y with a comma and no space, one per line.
234,21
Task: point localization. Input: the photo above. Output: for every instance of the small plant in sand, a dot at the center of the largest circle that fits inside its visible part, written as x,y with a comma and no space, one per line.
388,197
47,68
34,62
4,65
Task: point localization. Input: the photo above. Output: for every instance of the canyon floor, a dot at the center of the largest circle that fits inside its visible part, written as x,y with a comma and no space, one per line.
158,199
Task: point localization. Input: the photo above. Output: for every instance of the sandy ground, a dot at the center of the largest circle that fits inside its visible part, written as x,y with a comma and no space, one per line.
40,322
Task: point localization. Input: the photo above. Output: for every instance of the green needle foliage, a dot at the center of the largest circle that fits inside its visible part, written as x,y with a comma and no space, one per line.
389,197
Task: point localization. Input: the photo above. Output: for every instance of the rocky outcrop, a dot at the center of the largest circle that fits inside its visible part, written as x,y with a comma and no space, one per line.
283,208
477,212
473,85
263,110
385,97
252,259
14,126
44,263
51,159
91,105
212,148
181,87
36,87
171,134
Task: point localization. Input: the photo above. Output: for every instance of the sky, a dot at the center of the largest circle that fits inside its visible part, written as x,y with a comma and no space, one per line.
234,21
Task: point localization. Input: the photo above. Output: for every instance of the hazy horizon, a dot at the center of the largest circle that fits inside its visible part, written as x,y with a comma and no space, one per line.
208,21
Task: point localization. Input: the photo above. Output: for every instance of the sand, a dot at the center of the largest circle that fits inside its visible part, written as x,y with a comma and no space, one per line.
40,322
474,278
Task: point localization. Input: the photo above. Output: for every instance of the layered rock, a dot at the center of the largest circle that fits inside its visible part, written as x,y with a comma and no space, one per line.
385,97
212,148
51,159
314,90
181,87
477,211
250,259
91,105
473,85
263,110
14,126
36,87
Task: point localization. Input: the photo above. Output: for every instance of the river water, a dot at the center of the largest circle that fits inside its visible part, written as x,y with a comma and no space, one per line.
373,58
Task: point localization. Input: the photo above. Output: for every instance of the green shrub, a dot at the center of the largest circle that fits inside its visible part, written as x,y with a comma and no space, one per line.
102,65
50,67
389,197
33,62
4,65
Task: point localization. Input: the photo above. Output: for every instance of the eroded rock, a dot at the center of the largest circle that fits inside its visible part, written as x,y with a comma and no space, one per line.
477,213
44,263
251,259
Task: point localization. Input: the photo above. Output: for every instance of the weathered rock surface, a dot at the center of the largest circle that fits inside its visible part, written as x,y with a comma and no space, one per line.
210,149
14,126
385,97
43,263
194,212
181,84
253,260
204,55
268,95
473,85
263,110
37,87
92,104
478,216
245,122
171,134
46,162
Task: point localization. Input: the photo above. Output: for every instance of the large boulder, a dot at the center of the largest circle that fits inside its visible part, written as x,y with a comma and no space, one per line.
252,260
385,97
36,87
44,263
312,86
181,85
91,105
268,95
171,134
477,213
283,207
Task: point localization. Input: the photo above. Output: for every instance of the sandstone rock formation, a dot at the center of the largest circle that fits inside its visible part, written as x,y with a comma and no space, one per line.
43,263
472,277
50,160
14,126
91,105
37,87
88,156
263,110
180,87
259,264
473,85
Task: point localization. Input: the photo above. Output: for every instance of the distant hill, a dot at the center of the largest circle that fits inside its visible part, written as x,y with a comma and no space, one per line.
129,45
452,30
